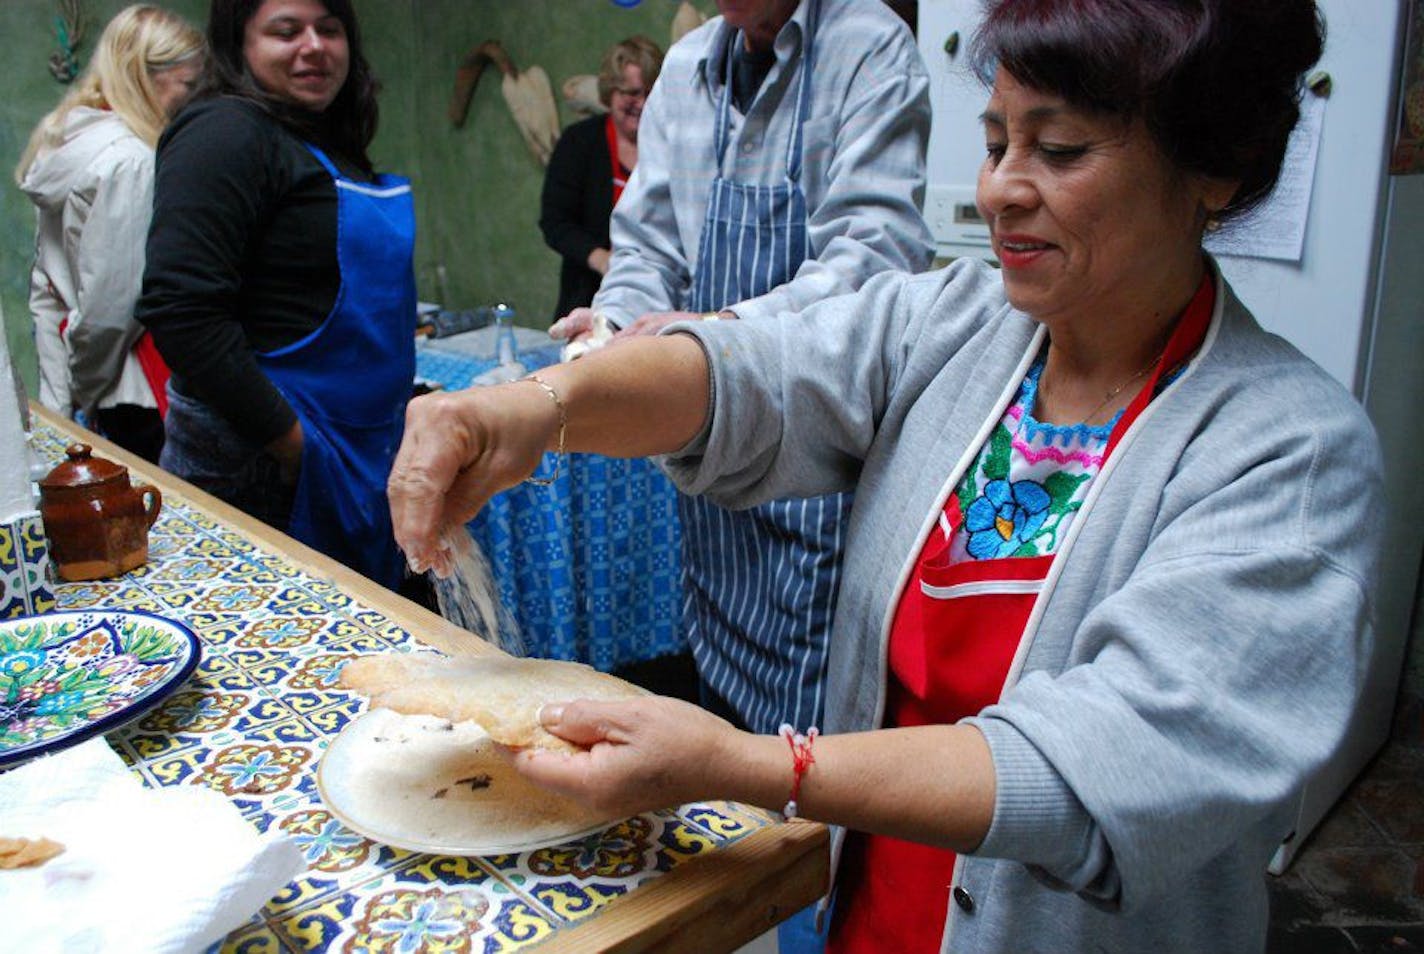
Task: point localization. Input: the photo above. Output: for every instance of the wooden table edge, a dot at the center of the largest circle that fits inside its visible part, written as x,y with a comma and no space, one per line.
769,875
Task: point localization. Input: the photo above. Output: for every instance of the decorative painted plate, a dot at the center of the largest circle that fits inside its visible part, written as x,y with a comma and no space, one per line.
422,784
66,676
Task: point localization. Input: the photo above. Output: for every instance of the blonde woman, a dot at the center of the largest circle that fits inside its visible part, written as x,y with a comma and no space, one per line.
89,171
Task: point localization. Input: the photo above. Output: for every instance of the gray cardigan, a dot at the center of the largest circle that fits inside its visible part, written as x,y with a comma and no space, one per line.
1196,652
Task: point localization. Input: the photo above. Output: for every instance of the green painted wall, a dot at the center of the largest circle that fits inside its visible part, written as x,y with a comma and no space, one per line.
477,188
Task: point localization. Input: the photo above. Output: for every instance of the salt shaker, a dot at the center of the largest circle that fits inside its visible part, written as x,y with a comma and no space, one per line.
506,349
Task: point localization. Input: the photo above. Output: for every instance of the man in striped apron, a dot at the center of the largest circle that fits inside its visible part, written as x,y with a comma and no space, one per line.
760,583
781,160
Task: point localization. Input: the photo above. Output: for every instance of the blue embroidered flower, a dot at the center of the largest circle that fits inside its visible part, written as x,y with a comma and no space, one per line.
1005,517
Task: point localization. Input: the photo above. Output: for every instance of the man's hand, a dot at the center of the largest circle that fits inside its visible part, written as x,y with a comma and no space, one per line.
575,326
655,321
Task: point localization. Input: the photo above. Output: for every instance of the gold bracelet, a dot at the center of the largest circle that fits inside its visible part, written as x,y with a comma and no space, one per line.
563,426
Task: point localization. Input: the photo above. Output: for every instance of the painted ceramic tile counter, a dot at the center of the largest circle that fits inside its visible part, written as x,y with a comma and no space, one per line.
277,620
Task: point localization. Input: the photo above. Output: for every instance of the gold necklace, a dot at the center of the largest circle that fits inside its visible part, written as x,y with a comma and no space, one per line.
1118,390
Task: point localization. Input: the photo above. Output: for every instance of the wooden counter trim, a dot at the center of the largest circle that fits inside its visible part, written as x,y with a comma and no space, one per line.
710,904
715,903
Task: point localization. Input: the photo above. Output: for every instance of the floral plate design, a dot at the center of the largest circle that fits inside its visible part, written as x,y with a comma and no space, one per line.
66,676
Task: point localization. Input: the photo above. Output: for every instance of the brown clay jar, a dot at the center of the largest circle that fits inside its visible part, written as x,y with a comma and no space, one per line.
95,519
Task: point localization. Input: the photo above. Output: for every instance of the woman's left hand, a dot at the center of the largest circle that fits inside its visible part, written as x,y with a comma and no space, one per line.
643,754
598,260
287,449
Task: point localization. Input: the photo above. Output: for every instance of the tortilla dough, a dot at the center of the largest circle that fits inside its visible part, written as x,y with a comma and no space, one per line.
502,694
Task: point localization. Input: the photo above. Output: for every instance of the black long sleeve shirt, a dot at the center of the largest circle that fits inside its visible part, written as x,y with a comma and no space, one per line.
574,209
241,256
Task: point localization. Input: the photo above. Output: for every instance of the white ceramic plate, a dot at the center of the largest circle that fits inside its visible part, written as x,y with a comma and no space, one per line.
67,676
422,784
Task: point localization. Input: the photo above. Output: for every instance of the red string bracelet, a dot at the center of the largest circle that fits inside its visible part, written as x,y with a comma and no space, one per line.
801,760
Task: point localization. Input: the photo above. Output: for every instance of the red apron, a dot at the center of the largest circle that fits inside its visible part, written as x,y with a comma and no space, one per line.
952,642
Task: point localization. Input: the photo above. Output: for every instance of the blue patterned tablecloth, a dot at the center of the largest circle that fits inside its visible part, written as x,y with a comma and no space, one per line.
591,567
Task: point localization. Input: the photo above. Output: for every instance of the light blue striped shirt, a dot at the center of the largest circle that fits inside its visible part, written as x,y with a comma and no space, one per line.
863,161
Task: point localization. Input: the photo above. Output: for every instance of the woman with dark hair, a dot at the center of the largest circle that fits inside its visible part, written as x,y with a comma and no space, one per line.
279,283
1108,593
590,166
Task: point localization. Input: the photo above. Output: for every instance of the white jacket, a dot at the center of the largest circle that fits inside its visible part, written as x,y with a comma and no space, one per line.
93,196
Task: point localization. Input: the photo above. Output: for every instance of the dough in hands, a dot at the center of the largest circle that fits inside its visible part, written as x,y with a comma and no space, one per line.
502,694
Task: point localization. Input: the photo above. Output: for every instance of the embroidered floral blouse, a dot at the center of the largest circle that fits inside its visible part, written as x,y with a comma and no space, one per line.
1030,478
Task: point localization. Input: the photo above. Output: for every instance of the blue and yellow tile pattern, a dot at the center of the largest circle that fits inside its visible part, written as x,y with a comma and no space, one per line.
253,720
26,577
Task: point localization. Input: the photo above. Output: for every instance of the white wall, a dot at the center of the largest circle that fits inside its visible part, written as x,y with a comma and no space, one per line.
1394,396
1322,304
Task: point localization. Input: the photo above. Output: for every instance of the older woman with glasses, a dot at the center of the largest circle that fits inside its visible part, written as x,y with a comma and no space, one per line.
589,168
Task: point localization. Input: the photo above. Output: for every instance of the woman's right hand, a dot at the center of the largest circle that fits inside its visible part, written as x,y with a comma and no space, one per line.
459,450
642,754
598,260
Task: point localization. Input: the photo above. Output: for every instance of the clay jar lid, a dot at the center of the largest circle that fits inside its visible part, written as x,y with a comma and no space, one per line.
82,470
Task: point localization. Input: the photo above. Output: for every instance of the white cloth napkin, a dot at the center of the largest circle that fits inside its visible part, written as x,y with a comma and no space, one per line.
151,870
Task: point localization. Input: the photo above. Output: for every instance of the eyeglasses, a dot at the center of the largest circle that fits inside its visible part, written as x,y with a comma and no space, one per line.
632,92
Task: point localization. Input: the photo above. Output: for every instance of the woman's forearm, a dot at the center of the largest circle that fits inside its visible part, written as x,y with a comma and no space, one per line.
633,399
929,784
645,396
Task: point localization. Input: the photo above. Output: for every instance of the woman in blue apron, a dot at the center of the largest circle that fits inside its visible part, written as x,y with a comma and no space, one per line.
760,583
352,424
279,283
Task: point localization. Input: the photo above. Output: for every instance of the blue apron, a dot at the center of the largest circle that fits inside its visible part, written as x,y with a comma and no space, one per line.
760,583
349,380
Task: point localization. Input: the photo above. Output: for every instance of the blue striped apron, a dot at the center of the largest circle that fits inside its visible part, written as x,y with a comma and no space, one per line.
760,584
